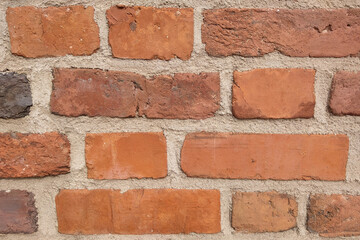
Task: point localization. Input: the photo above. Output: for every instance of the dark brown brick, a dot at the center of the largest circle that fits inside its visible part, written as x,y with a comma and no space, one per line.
18,213
345,94
15,95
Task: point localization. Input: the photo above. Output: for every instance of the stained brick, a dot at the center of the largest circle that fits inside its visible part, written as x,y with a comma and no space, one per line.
334,215
15,95
345,94
18,213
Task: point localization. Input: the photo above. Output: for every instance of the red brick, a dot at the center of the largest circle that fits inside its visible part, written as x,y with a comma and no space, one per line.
126,155
256,212
138,211
53,31
33,155
293,32
182,96
18,213
93,92
345,94
265,156
150,33
334,215
274,93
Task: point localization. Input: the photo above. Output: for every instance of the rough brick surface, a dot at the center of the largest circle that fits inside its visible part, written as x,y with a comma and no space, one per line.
93,92
265,156
274,93
33,155
345,94
183,96
293,32
140,211
15,95
126,155
334,215
150,33
18,213
53,31
263,212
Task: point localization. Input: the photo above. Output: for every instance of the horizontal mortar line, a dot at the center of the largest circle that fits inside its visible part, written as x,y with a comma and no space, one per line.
72,181
197,64
216,124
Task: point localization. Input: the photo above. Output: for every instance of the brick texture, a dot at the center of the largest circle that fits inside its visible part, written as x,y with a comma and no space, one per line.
18,213
140,211
265,156
293,32
334,215
274,93
345,94
150,33
94,92
15,95
254,212
126,155
53,31
33,155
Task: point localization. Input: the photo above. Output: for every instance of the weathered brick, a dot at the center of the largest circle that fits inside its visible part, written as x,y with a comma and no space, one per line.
263,212
15,95
334,215
265,156
93,92
33,155
150,33
345,94
18,213
139,211
293,32
183,96
126,155
274,93
53,31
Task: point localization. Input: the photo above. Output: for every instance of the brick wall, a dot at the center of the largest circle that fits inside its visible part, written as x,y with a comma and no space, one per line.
179,119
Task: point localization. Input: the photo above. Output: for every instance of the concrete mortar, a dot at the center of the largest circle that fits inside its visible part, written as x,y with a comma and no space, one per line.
39,72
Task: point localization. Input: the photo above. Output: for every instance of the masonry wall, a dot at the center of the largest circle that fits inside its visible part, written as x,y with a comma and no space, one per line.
179,119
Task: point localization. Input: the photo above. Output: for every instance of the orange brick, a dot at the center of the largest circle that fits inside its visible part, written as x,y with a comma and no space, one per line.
150,33
263,212
139,211
334,215
126,155
265,156
53,31
274,93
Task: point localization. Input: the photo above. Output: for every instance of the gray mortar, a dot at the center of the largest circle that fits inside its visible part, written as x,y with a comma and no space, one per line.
39,72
